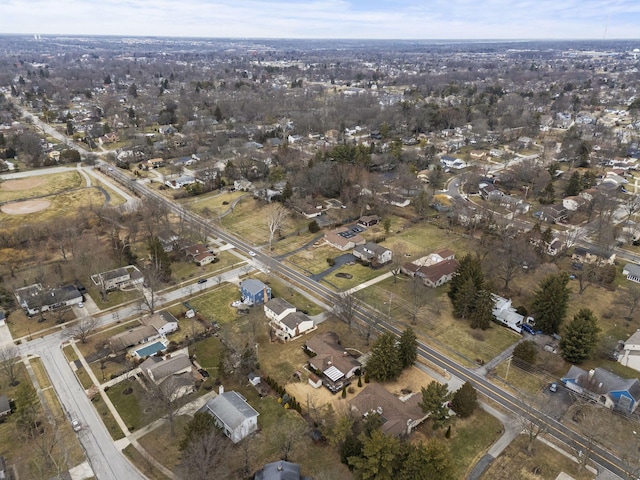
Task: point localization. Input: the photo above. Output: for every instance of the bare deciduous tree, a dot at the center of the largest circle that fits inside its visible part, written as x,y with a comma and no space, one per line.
9,360
629,297
346,307
84,327
276,218
206,457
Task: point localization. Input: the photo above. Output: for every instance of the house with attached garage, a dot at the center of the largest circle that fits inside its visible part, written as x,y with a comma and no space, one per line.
344,238
332,363
632,272
173,373
287,322
400,415
35,298
163,322
232,414
375,254
118,278
133,336
630,354
604,387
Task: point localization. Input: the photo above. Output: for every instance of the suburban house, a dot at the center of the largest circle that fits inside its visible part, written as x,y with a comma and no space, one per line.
604,387
232,414
435,269
200,254
505,314
573,203
331,362
162,322
554,214
488,191
132,337
5,406
448,161
554,247
254,292
288,322
630,354
373,253
169,240
180,182
280,470
35,298
632,272
278,308
593,256
438,274
119,278
368,220
400,415
175,371
343,238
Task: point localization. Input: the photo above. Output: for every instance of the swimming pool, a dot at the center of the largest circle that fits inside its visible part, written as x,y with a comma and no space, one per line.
150,349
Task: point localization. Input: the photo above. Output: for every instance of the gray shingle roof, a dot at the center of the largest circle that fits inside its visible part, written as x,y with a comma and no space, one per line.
231,408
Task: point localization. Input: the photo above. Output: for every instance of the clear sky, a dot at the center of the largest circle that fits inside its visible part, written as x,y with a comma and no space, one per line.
375,19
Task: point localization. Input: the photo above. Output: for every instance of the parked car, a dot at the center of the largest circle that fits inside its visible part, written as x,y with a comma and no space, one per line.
553,388
529,329
202,280
76,425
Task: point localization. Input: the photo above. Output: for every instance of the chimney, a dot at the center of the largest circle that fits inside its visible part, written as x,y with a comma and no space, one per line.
220,389
280,467
591,372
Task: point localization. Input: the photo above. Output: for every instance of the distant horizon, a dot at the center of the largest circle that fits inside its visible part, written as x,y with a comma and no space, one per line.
325,39
436,20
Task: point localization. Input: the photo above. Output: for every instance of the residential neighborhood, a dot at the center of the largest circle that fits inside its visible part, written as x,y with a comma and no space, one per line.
272,259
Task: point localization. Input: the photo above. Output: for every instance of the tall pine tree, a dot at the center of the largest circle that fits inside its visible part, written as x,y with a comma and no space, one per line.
407,348
482,313
580,336
470,266
550,302
384,363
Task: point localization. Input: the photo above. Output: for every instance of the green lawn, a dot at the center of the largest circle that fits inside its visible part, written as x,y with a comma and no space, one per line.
132,407
207,353
212,204
215,305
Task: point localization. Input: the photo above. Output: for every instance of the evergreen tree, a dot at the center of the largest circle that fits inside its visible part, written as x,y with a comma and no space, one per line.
470,266
217,114
159,258
434,401
425,461
379,457
550,302
526,351
482,313
573,185
408,348
465,299
199,425
465,400
580,336
384,364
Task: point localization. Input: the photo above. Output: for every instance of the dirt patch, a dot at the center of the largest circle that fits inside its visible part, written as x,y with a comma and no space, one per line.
412,379
21,184
28,206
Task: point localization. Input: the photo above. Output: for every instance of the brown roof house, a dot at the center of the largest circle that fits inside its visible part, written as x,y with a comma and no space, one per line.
435,269
200,254
343,238
133,336
373,253
400,415
332,363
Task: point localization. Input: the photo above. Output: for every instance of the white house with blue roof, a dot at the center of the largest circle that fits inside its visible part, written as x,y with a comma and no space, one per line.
604,387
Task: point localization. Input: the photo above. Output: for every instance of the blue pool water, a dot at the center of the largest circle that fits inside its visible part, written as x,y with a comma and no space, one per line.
150,349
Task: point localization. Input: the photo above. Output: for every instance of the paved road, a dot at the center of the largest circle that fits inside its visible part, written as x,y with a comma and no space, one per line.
106,460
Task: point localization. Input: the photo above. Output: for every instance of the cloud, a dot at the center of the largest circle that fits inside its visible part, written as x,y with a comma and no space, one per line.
436,19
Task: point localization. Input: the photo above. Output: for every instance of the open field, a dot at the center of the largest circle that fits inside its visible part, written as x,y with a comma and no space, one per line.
515,462
212,204
31,187
64,204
